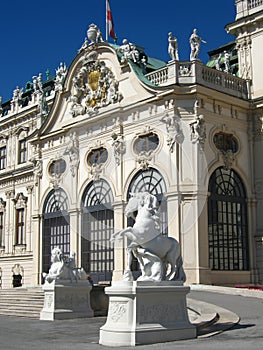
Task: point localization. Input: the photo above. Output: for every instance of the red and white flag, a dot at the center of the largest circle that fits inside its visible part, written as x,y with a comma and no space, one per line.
110,27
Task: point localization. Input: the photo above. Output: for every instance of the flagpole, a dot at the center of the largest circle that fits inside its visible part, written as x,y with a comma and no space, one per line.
106,20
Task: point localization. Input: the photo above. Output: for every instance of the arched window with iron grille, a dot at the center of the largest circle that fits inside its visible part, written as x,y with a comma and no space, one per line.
151,181
227,221
97,253
56,225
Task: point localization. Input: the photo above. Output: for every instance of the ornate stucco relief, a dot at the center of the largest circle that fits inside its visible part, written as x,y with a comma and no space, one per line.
94,86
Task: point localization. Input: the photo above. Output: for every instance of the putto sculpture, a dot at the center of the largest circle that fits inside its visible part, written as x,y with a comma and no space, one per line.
158,255
129,51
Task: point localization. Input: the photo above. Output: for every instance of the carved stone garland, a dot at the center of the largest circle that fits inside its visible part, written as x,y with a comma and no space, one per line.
174,131
72,150
38,164
119,146
144,158
198,127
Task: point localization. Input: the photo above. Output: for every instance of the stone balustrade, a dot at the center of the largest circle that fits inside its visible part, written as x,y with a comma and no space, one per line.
245,8
185,73
254,3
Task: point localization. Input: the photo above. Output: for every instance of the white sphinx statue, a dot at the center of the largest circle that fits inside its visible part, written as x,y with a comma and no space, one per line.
64,268
158,255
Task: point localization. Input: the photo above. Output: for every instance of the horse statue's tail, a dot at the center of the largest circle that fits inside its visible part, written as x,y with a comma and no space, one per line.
180,274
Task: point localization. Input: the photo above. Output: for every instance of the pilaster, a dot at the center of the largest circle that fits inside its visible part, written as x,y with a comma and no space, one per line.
75,224
37,249
9,225
119,245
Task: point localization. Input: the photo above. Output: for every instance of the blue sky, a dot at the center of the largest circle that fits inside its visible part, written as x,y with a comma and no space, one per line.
36,36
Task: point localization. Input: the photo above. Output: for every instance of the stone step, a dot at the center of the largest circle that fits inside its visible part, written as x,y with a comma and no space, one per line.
20,313
21,308
21,297
22,302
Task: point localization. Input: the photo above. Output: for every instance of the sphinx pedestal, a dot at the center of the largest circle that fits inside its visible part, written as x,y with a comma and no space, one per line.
66,300
145,313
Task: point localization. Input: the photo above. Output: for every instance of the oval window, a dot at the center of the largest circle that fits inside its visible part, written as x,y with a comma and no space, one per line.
146,143
57,167
98,156
225,142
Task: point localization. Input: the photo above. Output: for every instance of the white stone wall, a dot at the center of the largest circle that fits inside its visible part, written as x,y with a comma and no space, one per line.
186,170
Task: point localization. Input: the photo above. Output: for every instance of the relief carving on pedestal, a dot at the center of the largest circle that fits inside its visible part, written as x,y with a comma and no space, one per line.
118,311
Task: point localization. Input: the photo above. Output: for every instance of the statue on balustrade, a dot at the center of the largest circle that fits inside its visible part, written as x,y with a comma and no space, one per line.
173,47
195,43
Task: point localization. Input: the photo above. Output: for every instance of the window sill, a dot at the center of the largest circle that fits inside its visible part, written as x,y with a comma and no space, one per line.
19,249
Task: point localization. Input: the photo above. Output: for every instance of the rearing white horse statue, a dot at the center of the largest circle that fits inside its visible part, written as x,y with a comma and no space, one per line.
159,256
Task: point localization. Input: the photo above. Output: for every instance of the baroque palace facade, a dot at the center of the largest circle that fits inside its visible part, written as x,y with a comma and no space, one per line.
116,121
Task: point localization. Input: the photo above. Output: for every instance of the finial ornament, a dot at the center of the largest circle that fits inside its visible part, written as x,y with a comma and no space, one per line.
94,34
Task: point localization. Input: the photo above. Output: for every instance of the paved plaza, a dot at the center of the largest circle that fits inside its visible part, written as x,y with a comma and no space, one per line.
18,333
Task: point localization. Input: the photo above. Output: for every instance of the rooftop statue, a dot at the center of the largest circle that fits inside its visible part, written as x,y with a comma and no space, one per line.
227,61
158,255
61,72
195,42
173,47
129,51
218,61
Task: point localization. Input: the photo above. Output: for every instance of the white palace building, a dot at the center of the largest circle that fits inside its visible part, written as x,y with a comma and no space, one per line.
73,149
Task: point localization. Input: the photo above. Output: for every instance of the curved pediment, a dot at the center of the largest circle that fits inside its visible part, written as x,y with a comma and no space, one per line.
97,82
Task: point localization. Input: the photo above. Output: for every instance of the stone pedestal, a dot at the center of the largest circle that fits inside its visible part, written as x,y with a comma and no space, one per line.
145,313
66,300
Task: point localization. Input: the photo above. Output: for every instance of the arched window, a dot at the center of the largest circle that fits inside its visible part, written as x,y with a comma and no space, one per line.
97,253
151,181
56,225
227,221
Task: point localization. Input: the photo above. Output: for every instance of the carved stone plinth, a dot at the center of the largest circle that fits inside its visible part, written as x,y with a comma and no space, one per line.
66,300
145,313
